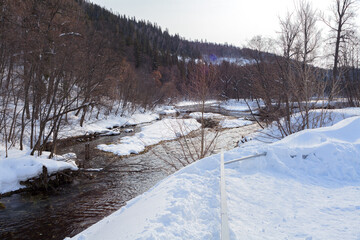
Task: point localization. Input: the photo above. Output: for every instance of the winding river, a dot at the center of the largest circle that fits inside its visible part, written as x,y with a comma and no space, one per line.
72,208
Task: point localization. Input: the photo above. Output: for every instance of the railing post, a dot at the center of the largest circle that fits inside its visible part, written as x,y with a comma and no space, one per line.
225,234
224,212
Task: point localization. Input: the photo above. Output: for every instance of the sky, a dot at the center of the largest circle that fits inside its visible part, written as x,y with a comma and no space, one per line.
222,21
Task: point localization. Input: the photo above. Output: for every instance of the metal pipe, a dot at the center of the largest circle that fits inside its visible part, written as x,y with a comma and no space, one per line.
245,158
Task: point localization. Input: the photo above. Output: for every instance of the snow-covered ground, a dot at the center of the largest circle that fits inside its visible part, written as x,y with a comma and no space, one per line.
306,187
166,129
166,110
239,105
191,103
225,122
234,123
197,115
20,166
317,118
104,124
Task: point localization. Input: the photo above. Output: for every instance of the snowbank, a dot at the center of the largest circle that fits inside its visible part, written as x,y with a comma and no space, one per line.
306,187
329,153
191,103
166,129
234,123
104,124
197,115
20,166
239,105
317,118
166,110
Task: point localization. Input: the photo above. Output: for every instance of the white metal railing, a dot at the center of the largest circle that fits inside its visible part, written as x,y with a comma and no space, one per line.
224,212
225,234
245,158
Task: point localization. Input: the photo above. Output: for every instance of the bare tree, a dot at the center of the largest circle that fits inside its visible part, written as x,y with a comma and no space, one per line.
350,68
289,34
342,29
288,84
201,88
308,44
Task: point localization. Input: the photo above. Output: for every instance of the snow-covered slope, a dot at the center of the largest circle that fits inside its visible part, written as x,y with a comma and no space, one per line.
306,187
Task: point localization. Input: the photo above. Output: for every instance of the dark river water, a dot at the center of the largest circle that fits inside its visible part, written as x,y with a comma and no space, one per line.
72,208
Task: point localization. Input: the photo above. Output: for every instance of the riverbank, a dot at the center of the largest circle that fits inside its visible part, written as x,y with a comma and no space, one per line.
21,167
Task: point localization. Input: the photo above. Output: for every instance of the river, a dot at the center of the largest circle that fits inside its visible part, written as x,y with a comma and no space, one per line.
72,208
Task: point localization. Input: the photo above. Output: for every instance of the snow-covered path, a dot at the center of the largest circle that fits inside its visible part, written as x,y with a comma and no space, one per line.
307,187
265,206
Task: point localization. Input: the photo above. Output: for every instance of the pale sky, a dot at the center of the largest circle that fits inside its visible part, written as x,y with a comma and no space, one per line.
220,21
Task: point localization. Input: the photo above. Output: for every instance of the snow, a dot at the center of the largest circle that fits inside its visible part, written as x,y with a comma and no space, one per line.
232,60
69,34
192,103
317,118
239,105
139,118
234,123
104,124
306,187
166,110
166,129
197,115
20,166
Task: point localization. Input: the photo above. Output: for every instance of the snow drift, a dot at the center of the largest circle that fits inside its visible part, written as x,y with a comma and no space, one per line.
21,167
329,153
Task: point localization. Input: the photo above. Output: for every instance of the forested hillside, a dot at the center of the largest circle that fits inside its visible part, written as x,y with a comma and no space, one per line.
149,38
153,52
